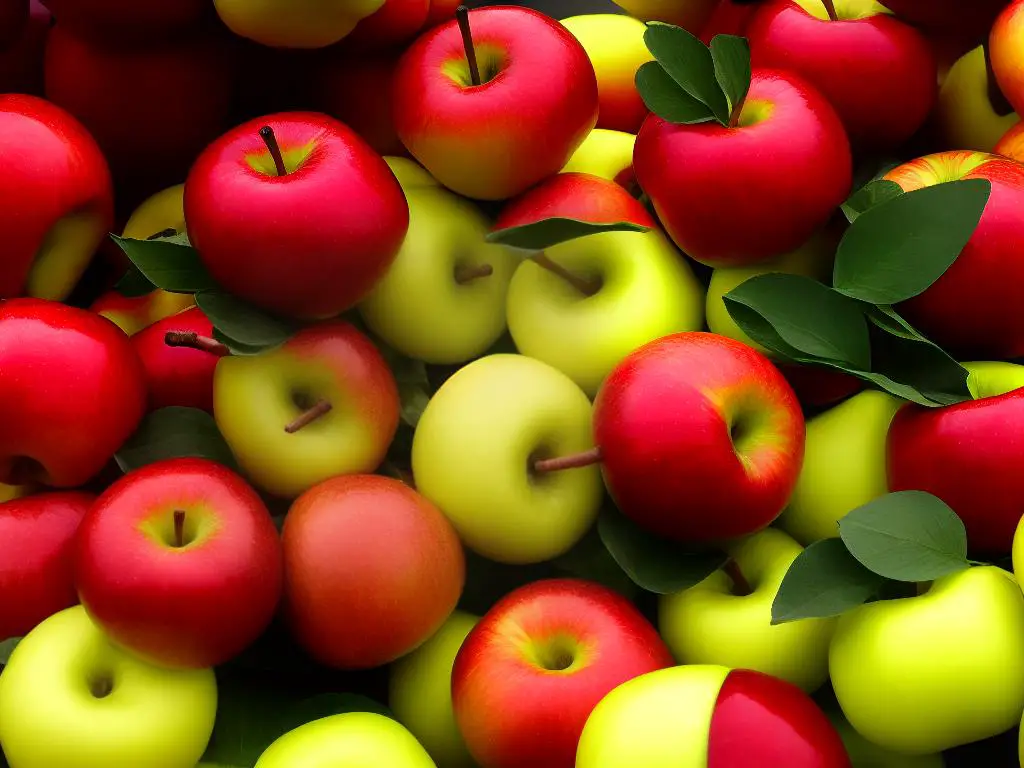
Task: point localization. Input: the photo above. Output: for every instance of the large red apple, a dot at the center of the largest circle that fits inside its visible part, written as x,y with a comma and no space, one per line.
71,392
112,19
531,671
736,196
180,563
21,61
13,15
440,12
331,204
536,102
372,569
177,376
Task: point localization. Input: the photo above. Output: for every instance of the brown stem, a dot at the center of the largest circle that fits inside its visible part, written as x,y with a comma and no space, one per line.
270,139
1000,104
830,9
462,15
734,118
195,341
169,232
179,528
581,284
740,584
465,273
574,461
322,408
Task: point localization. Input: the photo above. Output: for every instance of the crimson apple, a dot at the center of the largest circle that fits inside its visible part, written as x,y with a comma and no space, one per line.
111,19
580,196
135,313
21,61
179,376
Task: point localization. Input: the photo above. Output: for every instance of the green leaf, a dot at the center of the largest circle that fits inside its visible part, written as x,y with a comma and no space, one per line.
897,249
825,580
7,648
413,383
243,323
731,57
134,284
546,233
168,264
873,193
652,562
237,348
663,96
172,433
689,63
906,536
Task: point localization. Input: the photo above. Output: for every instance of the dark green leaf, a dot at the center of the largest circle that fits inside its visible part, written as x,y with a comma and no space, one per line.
411,377
663,96
243,323
237,349
897,249
134,284
906,536
867,197
689,63
546,233
7,648
731,56
172,433
168,264
825,580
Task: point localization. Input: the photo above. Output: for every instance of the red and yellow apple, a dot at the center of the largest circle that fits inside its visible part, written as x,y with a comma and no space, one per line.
177,376
1004,44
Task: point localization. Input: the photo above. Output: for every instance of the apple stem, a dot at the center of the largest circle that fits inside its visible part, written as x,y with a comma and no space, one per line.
1000,104
581,284
830,8
466,274
179,528
169,232
322,408
195,341
737,111
462,15
270,139
573,461
740,583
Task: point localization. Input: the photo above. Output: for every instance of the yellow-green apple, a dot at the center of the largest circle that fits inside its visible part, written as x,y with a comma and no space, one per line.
708,716
349,740
1011,143
299,183
420,692
531,671
372,570
71,697
71,393
113,18
21,62
180,563
727,618
738,195
1005,52
700,438
323,404
475,454
518,119
36,575
177,376
411,175
615,45
608,154
688,14
13,17
8,492
981,283
294,23
58,196
864,754
966,116
924,674
883,100
991,378
633,286
443,299
391,26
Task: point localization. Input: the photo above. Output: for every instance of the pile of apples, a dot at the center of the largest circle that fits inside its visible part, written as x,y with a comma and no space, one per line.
386,382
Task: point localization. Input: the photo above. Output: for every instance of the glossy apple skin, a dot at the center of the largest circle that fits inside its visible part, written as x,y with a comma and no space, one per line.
36,577
340,215
884,99
21,61
372,569
348,87
13,15
495,140
728,18
177,376
719,191
515,702
190,607
71,392
53,168
576,196
112,18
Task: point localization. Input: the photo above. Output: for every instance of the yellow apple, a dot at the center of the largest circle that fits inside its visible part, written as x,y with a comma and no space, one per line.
162,211
964,115
604,153
294,23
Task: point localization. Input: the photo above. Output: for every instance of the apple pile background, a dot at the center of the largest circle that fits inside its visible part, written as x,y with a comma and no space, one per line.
258,441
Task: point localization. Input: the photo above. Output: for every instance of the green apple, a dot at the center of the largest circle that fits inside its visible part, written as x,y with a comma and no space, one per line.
864,754
70,698
605,153
476,446
721,622
350,740
411,175
294,23
964,114
991,378
924,674
420,692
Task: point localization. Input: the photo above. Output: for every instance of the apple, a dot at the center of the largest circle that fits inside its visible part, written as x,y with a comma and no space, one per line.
70,697
177,376
709,716
420,692
71,392
13,17
393,25
473,137
8,492
323,404
372,570
21,62
727,618
36,580
1004,50
615,45
299,183
608,154
294,23
440,12
885,98
736,196
688,14
411,175
57,195
924,674
475,452
729,17
531,671
113,19
966,116
864,754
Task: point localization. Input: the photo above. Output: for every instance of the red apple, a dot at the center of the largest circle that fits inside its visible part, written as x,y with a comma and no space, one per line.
1007,53
21,62
972,310
736,196
135,313
580,196
536,103
701,437
180,563
395,24
730,17
13,15
71,392
882,99
177,375
372,569
36,541
440,12
112,19
337,211
56,195
531,671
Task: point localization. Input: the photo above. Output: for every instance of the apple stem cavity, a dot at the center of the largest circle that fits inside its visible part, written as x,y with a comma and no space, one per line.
193,340
169,232
830,9
270,139
581,284
573,461
1000,104
467,274
740,585
179,528
462,15
322,408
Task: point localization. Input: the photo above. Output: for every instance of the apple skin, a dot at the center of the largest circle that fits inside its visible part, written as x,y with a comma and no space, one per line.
392,26
1004,51
608,154
13,17
21,61
1011,143
177,376
730,17
701,438
110,19
49,716
372,568
242,216
964,115
719,191
36,577
961,681
294,23
688,14
58,192
532,670
475,140
71,393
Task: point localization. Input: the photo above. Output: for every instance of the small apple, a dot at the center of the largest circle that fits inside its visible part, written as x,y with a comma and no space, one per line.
177,376
1005,51
688,14
21,62
966,116
608,154
294,23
